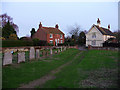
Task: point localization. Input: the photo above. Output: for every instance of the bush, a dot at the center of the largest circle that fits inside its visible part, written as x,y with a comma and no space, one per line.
16,43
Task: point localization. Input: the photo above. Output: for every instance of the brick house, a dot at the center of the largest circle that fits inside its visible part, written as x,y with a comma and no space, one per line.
50,34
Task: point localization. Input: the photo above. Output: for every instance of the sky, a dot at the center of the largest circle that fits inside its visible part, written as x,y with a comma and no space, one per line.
28,15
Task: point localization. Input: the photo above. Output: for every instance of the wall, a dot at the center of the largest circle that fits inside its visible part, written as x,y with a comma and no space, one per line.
98,39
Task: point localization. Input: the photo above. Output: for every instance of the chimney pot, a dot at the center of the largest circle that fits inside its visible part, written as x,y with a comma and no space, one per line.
109,26
40,25
56,26
98,22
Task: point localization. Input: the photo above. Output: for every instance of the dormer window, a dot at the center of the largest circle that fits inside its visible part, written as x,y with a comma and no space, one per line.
94,35
61,36
51,35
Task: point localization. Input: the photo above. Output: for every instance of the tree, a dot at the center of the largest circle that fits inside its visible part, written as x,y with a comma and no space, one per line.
7,30
82,38
74,32
5,18
32,32
13,37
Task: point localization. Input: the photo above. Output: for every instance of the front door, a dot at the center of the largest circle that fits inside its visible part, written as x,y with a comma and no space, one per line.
56,42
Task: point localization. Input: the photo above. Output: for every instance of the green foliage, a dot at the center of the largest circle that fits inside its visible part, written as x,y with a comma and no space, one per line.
7,30
13,37
16,43
81,38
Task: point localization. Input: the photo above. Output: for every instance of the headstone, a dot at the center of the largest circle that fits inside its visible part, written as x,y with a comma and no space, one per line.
37,53
61,49
55,52
51,51
21,57
58,50
47,53
43,53
7,58
32,53
64,48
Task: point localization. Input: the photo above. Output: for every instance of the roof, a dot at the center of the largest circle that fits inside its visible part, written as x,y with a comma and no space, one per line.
51,30
104,31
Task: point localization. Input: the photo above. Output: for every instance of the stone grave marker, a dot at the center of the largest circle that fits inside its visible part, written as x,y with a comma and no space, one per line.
32,53
37,53
43,53
21,57
51,51
61,49
7,59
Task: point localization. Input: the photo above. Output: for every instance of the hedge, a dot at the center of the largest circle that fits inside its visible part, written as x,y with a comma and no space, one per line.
16,43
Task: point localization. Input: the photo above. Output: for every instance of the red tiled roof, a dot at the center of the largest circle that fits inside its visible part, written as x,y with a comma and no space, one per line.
51,30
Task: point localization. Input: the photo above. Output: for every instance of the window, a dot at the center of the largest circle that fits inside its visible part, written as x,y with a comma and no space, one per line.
93,42
61,41
58,40
94,35
51,41
61,36
51,35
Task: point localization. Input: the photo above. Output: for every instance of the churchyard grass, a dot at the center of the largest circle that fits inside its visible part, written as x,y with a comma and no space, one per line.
98,69
18,74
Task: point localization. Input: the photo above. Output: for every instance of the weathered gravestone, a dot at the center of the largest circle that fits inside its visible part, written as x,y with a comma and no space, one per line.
32,53
43,53
58,50
21,57
7,59
55,52
47,53
64,48
51,51
61,49
37,53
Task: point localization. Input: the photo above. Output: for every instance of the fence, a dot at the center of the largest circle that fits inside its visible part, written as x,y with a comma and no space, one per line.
25,54
103,48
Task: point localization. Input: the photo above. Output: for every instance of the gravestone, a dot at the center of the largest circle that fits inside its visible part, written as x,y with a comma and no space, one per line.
7,59
21,57
37,53
32,53
51,51
58,50
61,49
47,53
43,53
64,48
55,52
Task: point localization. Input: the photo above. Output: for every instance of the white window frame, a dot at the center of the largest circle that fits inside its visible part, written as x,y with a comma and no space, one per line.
93,42
50,41
93,35
61,36
51,35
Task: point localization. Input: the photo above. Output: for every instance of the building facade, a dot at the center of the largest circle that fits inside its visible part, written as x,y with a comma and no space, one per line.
97,35
50,34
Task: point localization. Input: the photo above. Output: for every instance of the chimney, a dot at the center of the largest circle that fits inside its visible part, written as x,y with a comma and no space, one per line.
40,25
56,26
98,22
109,26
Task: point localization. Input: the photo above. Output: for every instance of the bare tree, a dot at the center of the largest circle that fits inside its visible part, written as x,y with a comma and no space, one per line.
5,18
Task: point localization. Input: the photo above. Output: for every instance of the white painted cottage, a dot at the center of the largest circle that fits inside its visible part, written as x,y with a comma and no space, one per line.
97,35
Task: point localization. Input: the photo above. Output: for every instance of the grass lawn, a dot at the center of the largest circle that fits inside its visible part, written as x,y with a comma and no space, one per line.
98,69
15,75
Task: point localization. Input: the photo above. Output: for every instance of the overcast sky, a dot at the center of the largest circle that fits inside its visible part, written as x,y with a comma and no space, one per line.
28,15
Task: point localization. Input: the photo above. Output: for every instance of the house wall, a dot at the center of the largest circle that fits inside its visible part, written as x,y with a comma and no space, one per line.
106,37
55,36
99,37
41,35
